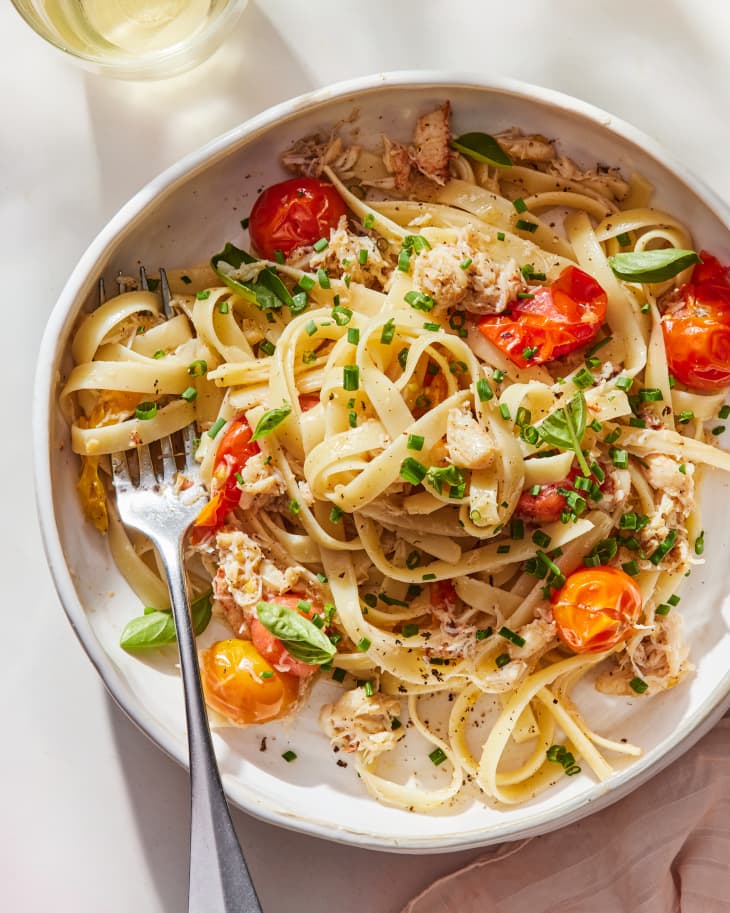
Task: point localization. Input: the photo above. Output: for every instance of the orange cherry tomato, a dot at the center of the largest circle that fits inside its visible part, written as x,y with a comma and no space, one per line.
293,214
233,452
556,320
596,609
272,649
242,686
697,334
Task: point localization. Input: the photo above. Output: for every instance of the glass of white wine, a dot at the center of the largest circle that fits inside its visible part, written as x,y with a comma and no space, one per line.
133,39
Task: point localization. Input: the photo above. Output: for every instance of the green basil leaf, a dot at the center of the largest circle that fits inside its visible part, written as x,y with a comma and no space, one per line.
301,638
652,265
482,148
565,428
156,628
270,420
267,291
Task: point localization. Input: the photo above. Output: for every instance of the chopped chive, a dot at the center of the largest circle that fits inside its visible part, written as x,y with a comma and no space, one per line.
502,660
145,411
189,394
267,674
619,458
402,357
369,690
279,256
299,303
369,220
700,543
612,436
504,411
203,295
665,547
321,245
415,442
413,471
353,335
638,685
289,756
419,300
223,307
339,675
623,239
409,630
341,315
306,283
484,391
323,278
519,204
651,395
517,528
500,236
674,599
529,351
404,261
311,328
718,430
160,353
724,412
370,599
631,568
685,417
352,419
483,633
215,428
535,490
511,636
662,609
523,225
351,377
428,577
498,375
268,348
437,756
309,357
198,368
624,383
541,538
433,327
583,379
335,514
503,549
386,336
294,506
530,434
413,560
465,264
362,257
363,645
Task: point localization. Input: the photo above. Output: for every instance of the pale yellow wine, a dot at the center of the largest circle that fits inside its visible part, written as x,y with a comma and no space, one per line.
127,27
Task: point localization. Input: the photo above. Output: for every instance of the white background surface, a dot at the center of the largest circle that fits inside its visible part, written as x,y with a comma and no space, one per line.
93,818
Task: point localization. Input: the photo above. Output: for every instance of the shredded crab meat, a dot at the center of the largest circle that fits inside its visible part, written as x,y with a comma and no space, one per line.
530,148
431,144
659,658
462,275
539,636
674,502
357,722
467,442
309,155
259,482
342,257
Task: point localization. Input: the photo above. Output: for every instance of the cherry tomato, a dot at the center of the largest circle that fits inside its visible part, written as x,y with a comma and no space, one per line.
443,595
241,685
556,320
596,609
233,452
697,334
548,504
308,401
272,649
292,214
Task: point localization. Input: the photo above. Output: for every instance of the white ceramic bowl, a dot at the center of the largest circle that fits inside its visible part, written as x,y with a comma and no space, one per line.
181,218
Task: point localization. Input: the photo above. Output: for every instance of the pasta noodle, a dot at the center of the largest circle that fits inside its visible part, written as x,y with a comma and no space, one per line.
399,494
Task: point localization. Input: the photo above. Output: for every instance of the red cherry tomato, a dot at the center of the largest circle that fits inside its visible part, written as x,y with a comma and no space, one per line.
697,334
558,319
292,214
548,504
233,453
596,609
241,685
272,649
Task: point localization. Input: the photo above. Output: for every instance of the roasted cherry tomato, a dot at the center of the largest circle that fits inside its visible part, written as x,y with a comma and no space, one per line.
547,505
697,333
556,320
308,401
272,649
292,214
241,685
596,609
233,452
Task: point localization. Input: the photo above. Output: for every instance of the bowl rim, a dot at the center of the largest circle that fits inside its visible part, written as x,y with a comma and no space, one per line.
79,284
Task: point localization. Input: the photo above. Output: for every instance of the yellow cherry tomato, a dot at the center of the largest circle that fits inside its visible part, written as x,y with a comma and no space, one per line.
596,609
242,686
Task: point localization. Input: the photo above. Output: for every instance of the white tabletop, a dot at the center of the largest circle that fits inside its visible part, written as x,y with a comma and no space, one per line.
94,817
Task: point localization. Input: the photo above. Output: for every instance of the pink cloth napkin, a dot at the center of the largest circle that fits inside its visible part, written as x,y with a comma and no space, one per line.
665,848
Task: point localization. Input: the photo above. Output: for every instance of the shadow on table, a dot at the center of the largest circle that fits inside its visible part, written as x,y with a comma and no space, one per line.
172,117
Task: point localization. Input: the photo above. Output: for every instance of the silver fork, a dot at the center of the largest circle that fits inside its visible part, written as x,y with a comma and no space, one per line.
162,508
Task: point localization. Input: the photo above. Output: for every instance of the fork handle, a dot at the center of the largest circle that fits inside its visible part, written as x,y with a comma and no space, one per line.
219,878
